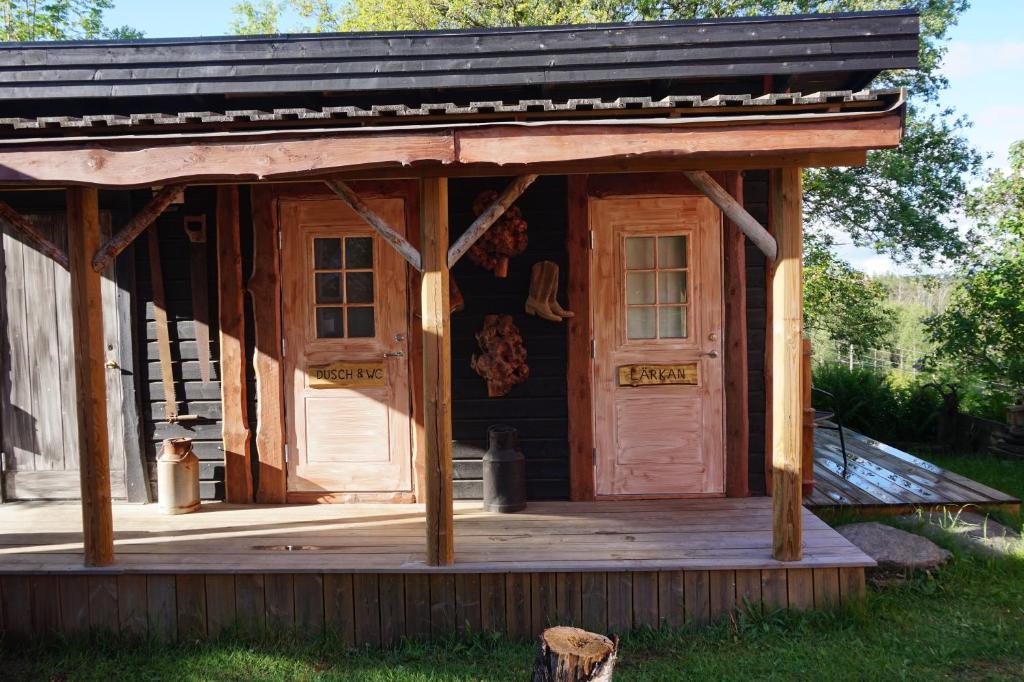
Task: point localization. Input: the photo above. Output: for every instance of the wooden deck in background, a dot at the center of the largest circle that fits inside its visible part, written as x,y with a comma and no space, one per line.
358,570
882,479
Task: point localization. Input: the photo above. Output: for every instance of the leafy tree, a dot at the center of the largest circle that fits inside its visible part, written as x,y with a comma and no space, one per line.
982,330
841,303
27,20
897,204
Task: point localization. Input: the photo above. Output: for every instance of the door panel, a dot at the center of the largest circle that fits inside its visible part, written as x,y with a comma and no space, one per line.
656,274
347,382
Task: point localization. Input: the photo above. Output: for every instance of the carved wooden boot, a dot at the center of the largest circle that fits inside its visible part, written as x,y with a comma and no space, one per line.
537,303
551,268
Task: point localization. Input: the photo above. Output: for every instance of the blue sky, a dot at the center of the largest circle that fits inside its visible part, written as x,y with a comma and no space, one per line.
985,67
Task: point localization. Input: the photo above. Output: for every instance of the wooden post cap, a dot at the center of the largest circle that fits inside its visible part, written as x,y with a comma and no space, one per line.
574,655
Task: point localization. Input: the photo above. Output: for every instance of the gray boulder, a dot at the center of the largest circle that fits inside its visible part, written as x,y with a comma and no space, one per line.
894,549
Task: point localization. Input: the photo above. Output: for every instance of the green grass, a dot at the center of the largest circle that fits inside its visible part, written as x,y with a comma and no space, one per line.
1005,475
965,621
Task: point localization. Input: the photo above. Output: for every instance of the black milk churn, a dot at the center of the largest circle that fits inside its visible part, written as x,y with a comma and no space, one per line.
504,471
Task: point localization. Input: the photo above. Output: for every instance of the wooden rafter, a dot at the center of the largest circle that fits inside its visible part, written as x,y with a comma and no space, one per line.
735,212
488,217
29,229
137,225
409,252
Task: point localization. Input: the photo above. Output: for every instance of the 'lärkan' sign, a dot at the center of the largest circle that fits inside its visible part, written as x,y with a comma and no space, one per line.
346,375
658,375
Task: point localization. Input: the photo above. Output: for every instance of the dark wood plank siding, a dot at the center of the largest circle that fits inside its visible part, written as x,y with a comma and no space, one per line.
755,199
538,406
194,396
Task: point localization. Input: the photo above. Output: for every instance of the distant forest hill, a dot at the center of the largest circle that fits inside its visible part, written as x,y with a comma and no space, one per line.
915,297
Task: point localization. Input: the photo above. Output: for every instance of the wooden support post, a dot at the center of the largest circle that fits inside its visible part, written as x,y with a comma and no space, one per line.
579,372
87,326
488,217
786,202
237,476
136,226
436,371
735,211
737,415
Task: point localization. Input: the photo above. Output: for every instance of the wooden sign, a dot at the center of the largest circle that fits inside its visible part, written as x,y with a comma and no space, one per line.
658,375
346,374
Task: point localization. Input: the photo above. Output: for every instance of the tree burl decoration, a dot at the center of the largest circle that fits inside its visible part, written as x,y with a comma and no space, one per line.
503,361
505,239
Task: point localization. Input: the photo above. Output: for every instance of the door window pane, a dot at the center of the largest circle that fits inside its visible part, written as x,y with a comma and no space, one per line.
672,287
359,252
641,322
359,287
326,253
360,322
672,322
328,287
671,252
639,253
328,323
639,287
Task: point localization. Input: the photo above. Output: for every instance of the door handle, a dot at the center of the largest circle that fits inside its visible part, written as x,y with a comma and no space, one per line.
395,354
710,354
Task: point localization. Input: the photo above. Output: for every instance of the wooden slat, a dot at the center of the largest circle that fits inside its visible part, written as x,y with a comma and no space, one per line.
221,601
722,593
103,616
543,602
800,588
74,605
569,598
517,605
492,602
594,614
442,604
279,592
851,585
737,413
436,372
748,588
16,595
232,349
774,592
490,215
620,601
826,588
162,602
308,589
467,602
417,614
104,255
698,597
579,373
380,226
392,608
250,603
366,600
132,608
265,294
787,333
87,325
339,608
645,599
191,599
45,606
672,598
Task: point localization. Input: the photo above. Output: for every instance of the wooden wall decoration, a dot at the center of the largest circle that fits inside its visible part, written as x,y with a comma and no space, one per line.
503,361
505,239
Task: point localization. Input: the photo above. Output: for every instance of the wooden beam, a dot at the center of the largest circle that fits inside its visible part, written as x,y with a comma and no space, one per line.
390,234
235,430
137,225
437,374
737,415
484,221
579,372
787,333
34,235
265,294
87,331
487,150
735,212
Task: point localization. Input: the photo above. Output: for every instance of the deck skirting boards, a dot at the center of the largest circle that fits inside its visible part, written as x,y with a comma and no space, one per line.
384,608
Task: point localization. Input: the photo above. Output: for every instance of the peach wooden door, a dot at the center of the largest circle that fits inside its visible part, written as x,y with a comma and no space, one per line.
345,316
656,282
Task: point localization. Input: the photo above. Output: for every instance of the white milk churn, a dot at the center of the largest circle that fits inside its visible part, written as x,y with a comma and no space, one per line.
177,477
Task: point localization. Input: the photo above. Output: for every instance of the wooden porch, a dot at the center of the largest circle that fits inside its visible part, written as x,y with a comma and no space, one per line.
361,569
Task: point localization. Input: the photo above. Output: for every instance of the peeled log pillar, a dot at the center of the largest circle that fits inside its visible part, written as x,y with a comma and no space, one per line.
573,655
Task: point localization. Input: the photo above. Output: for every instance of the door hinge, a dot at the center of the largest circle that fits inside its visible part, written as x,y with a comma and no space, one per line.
593,349
280,241
286,453
284,347
591,240
595,456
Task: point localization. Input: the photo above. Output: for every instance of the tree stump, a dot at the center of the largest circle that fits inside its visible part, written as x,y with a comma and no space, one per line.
573,655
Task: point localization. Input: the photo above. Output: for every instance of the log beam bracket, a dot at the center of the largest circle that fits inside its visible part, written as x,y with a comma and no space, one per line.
390,234
29,229
735,212
490,216
169,194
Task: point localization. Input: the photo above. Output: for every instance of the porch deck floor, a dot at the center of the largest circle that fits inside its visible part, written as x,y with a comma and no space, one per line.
705,534
884,479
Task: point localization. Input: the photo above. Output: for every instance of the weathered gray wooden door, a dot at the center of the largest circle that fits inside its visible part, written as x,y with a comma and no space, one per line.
38,417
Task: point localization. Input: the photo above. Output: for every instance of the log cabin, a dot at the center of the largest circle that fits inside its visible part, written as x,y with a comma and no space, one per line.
255,243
